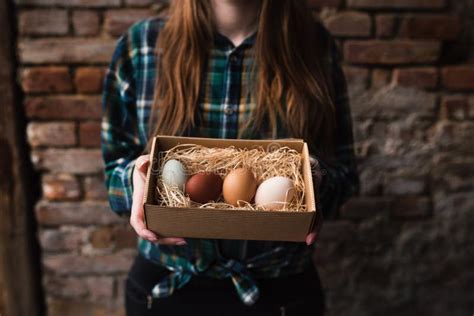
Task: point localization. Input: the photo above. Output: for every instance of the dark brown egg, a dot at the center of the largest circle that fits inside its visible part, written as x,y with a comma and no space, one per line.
204,187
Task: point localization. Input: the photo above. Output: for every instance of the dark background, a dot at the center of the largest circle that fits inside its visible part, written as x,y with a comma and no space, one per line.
405,246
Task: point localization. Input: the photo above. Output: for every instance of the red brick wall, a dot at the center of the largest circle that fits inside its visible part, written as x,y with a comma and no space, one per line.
403,246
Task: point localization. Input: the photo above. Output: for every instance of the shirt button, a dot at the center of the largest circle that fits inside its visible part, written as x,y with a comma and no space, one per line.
228,110
233,59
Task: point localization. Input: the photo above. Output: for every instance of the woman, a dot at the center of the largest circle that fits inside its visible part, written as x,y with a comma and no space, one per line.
225,69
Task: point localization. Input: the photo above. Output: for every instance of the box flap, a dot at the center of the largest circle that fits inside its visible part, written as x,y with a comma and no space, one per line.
167,142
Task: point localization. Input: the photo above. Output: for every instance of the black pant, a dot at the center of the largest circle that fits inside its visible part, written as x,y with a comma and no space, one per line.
295,295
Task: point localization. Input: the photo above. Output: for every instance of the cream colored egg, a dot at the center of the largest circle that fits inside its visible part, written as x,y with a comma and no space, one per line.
274,193
174,174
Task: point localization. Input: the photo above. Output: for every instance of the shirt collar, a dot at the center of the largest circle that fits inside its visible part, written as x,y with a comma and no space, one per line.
221,40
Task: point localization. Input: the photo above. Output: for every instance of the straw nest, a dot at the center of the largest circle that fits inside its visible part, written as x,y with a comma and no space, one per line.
265,163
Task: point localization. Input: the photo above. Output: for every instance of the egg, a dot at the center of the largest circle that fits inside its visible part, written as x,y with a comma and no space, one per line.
274,192
239,184
204,187
174,174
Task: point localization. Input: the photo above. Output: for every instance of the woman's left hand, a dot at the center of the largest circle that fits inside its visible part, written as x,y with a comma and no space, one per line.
317,176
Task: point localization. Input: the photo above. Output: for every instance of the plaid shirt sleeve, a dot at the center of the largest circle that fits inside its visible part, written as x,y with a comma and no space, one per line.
119,132
340,179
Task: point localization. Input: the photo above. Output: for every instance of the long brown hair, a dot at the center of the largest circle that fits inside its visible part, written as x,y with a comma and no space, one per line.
291,70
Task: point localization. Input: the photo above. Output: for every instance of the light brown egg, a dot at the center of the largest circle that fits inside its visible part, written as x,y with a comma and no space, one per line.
239,184
204,187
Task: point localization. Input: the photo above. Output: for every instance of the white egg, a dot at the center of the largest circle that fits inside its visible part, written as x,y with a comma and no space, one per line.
273,193
174,174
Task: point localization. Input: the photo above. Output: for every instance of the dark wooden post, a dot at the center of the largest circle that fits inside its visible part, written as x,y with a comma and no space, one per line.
19,279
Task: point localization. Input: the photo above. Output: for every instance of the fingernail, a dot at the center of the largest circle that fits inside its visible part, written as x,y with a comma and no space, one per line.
181,243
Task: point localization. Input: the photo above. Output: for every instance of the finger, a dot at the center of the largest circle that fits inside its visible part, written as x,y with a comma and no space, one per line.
172,241
311,238
137,217
139,227
138,223
148,235
143,163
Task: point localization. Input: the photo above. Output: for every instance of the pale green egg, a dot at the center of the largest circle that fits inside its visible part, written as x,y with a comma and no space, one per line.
174,174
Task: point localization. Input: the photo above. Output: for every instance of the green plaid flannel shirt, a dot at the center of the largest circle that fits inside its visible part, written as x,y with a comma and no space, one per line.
225,104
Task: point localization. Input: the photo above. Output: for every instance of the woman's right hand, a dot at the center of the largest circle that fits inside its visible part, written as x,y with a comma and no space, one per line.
137,218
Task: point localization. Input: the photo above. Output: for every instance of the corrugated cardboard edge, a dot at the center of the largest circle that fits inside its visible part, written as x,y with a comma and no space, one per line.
146,194
229,224
167,140
310,198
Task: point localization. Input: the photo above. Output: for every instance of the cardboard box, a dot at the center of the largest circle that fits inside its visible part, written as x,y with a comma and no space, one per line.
228,223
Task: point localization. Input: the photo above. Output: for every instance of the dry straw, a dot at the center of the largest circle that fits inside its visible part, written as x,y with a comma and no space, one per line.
263,162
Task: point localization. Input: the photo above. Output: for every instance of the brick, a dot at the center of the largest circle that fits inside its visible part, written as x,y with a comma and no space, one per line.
89,79
370,179
393,103
75,161
77,306
391,52
64,239
454,107
458,78
63,107
74,306
72,264
410,207
66,50
385,25
52,134
351,24
452,173
89,134
380,78
92,289
397,4
100,288
453,137
46,79
71,3
102,237
443,27
86,23
60,187
94,188
363,207
118,21
356,75
337,231
404,186
65,287
125,237
75,213
120,290
43,22
420,77
323,3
